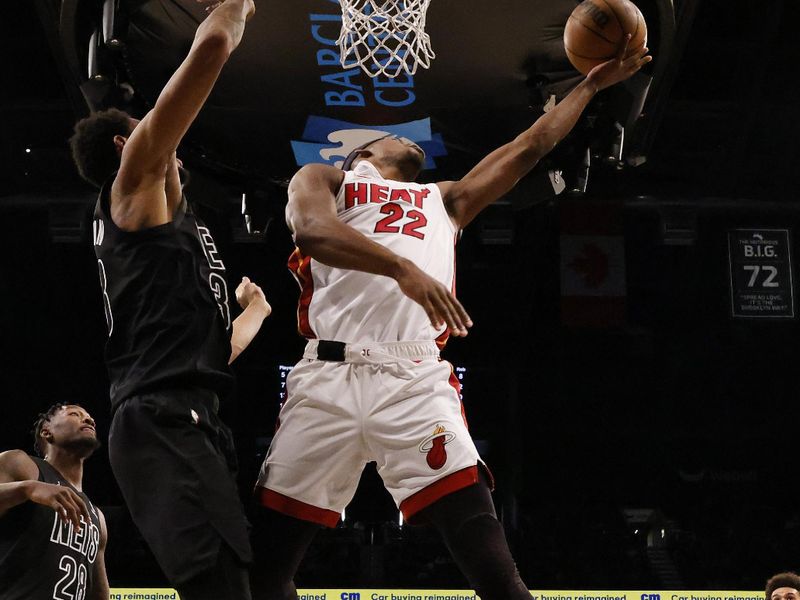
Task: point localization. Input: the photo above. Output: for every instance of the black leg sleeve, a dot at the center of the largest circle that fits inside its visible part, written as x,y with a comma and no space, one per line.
467,521
280,544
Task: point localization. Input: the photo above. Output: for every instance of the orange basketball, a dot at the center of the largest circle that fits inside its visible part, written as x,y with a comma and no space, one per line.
596,27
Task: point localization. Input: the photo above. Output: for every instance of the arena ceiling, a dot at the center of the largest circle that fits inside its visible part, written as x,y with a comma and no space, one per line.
717,103
284,99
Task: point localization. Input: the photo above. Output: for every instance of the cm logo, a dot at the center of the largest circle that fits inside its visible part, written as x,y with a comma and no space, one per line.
651,597
350,596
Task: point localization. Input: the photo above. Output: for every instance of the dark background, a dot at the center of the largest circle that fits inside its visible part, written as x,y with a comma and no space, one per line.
679,419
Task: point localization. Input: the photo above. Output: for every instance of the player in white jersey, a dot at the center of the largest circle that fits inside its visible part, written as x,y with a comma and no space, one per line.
375,260
409,220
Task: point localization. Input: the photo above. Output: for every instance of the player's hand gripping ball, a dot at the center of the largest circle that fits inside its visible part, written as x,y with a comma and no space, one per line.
596,28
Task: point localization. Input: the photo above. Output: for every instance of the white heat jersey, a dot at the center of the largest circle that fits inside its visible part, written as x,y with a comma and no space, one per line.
351,306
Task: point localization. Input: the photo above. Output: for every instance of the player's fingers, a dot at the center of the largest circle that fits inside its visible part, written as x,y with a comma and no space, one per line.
60,510
73,502
455,319
430,309
634,67
453,322
76,508
82,506
72,511
462,312
636,56
457,309
458,321
622,51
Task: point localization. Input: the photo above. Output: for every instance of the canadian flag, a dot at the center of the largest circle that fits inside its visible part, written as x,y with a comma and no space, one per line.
592,264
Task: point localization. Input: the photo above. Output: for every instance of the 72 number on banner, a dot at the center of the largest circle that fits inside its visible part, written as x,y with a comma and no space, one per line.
770,272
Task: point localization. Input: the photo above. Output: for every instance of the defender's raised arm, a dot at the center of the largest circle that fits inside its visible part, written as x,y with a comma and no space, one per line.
138,196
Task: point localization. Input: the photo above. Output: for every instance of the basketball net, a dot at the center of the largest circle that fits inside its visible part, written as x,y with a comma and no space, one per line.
385,37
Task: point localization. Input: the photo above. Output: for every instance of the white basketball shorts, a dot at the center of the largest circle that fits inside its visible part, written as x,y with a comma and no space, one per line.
396,404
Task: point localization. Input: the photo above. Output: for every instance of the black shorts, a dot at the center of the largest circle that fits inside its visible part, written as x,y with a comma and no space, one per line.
175,464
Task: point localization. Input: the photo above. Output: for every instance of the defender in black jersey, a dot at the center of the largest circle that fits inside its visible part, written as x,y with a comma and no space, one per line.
52,538
171,335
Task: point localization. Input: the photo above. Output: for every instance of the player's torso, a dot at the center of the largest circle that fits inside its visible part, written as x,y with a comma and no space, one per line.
166,302
409,219
41,557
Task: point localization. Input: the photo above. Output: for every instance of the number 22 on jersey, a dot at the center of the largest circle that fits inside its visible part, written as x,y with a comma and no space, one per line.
399,220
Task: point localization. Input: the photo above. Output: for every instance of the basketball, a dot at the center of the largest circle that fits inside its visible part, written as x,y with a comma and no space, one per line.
595,29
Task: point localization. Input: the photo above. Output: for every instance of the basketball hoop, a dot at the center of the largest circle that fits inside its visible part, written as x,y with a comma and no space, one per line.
385,37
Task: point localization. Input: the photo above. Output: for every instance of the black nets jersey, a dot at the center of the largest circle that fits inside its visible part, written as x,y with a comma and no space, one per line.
43,558
166,304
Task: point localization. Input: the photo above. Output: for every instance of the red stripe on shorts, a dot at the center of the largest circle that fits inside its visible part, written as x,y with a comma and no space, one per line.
438,489
295,508
441,341
300,266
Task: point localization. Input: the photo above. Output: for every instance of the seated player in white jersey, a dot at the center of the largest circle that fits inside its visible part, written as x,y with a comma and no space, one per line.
375,261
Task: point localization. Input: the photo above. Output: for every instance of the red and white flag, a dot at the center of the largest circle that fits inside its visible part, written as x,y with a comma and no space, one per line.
592,264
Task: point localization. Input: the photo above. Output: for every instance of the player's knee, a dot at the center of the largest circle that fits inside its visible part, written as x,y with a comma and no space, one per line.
482,532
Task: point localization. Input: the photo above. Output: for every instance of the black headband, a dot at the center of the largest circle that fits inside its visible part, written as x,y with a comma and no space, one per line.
348,162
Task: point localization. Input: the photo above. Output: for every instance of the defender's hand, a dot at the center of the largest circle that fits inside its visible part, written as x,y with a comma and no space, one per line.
213,4
69,505
248,292
619,68
439,304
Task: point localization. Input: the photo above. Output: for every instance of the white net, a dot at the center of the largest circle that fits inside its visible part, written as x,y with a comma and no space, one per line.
385,37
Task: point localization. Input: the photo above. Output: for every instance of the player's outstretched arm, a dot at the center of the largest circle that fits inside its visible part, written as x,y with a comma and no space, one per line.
500,171
318,232
147,152
19,483
100,589
255,309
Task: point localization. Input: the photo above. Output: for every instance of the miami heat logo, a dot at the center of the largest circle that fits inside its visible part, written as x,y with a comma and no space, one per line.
434,447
